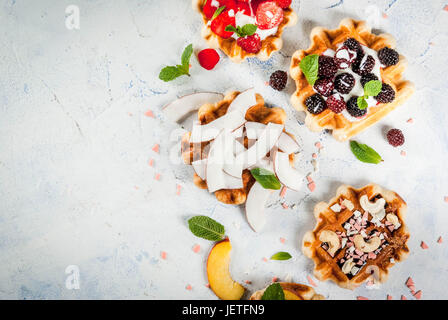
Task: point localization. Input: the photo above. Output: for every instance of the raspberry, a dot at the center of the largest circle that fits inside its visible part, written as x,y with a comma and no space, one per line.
278,80
344,57
220,23
388,56
353,109
344,83
395,137
368,77
353,44
324,87
269,15
363,65
386,95
251,44
336,103
327,67
283,3
208,58
315,104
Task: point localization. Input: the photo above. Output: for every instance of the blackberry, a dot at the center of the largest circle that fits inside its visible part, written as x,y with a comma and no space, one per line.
315,104
368,77
353,44
278,80
327,67
395,137
336,103
388,56
353,109
324,87
344,83
363,65
386,95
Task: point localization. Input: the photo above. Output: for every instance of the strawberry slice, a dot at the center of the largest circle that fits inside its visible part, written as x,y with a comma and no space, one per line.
220,23
243,7
269,15
283,3
209,10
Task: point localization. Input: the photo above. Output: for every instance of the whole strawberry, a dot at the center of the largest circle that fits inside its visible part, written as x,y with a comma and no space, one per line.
220,23
250,44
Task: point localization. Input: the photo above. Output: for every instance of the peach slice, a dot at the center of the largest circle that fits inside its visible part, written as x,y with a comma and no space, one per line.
218,272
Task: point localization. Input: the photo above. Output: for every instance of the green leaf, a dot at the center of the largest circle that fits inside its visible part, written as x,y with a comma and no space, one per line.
373,88
266,178
273,292
281,256
364,153
207,228
310,68
362,103
249,29
186,55
218,12
170,73
231,28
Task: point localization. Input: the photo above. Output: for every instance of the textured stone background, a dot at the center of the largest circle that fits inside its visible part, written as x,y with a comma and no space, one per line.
76,187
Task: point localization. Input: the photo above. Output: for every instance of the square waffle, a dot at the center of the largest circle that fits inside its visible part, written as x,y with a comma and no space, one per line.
299,292
323,39
235,52
196,151
372,244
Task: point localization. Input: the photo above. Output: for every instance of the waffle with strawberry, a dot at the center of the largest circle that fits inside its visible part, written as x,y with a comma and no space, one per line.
348,79
359,235
293,291
245,28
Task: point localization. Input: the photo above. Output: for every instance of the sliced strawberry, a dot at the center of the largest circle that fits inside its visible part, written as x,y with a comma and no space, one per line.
269,15
243,7
209,10
220,23
255,3
208,58
283,3
251,44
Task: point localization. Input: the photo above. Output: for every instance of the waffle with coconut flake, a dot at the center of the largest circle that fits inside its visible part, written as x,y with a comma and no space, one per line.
349,244
323,39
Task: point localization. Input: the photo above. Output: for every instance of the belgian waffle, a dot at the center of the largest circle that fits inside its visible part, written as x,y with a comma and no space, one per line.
236,53
323,39
299,292
349,244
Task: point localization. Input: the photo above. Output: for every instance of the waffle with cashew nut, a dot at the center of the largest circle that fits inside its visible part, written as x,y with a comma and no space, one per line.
293,291
342,126
230,47
359,235
195,151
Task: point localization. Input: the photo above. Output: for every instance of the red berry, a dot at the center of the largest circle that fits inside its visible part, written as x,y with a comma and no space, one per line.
324,87
220,23
283,3
208,58
251,44
395,137
269,15
243,7
209,10
336,103
344,57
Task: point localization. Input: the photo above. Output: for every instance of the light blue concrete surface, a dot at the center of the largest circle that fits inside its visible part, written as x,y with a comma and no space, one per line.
76,188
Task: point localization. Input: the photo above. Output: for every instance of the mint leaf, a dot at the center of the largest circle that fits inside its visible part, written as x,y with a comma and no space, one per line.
246,30
364,153
172,72
206,228
266,178
186,55
362,103
218,12
281,256
310,68
273,292
169,73
373,88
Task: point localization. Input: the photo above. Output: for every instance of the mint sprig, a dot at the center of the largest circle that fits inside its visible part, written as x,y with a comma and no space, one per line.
246,30
172,72
218,12
310,68
206,228
371,89
266,178
281,256
273,292
364,153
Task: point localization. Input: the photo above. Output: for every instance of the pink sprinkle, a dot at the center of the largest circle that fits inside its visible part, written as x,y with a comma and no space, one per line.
403,153
318,145
285,206
151,162
188,287
312,186
309,178
282,240
410,120
314,156
248,282
266,83
311,281
178,188
207,285
403,297
445,8
265,259
439,240
283,192
389,297
149,114
274,279
424,245
157,176
372,255
361,298
412,288
196,248
156,148
163,255
446,199
410,282
418,294
385,15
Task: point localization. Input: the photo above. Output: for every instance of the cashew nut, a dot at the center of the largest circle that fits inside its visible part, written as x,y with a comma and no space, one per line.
366,246
380,214
393,219
332,239
372,207
348,265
